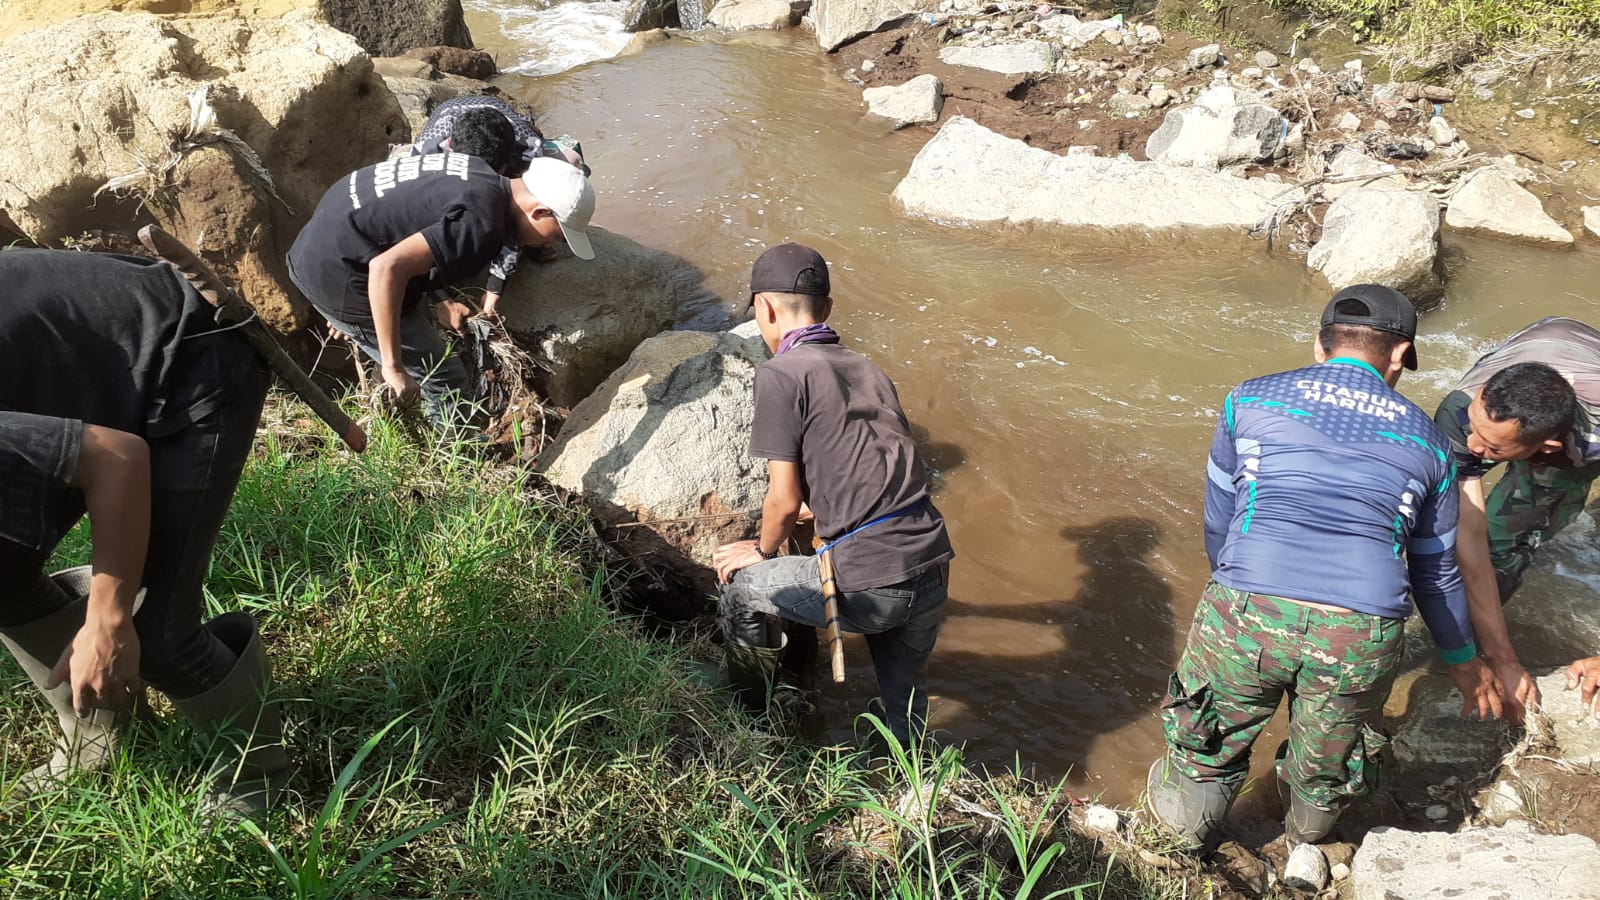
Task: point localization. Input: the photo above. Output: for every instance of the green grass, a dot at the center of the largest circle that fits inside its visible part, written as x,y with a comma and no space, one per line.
1475,25
470,717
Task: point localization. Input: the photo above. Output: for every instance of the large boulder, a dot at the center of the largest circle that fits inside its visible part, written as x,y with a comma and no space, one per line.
1512,862
1492,204
838,22
583,318
1224,126
419,87
647,15
456,61
391,27
665,440
1389,237
32,15
968,173
742,14
917,102
107,97
1014,58
1352,170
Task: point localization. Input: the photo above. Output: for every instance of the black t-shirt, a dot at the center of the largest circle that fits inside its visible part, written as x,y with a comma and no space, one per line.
455,201
835,413
91,338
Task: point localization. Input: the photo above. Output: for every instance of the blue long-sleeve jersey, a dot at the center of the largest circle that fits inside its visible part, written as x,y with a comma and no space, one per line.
1325,485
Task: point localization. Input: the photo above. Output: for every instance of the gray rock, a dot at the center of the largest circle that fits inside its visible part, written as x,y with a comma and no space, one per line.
1148,34
1222,127
916,102
1526,113
1251,72
868,65
1022,57
666,436
1306,870
745,14
1349,121
403,67
838,22
1492,204
1441,132
1159,97
1591,219
1512,862
1125,104
1577,731
1375,236
1101,821
1433,732
1203,57
1339,871
646,15
1266,59
969,173
391,27
1348,163
585,317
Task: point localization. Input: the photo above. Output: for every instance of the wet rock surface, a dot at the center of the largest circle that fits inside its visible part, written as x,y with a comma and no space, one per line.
969,173
1382,236
1491,203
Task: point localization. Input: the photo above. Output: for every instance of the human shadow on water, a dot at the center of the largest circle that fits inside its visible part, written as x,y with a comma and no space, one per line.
1042,682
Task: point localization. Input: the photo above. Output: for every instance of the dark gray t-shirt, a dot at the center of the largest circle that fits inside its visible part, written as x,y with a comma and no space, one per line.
456,202
835,413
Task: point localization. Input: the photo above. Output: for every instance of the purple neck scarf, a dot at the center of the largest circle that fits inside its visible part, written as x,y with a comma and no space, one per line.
818,333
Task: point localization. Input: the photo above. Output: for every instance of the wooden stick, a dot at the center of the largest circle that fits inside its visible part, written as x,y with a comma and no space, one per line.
830,612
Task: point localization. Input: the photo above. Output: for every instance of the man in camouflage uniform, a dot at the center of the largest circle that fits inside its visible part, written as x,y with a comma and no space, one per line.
1534,404
1330,499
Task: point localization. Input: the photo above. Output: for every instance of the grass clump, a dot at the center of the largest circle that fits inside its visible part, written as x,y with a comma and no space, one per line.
470,717
1469,28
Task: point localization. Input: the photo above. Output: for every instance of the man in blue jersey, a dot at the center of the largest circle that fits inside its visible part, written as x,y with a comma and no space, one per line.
1329,499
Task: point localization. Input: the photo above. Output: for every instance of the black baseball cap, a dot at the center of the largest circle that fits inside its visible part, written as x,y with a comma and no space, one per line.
1379,308
790,269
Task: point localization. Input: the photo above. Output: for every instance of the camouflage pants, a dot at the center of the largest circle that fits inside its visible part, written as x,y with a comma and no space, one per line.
1528,507
1246,651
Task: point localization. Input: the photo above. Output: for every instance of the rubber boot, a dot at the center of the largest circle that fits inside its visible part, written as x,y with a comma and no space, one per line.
1191,810
751,670
1304,823
249,778
85,744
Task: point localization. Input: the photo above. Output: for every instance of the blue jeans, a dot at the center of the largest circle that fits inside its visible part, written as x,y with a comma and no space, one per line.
423,354
900,621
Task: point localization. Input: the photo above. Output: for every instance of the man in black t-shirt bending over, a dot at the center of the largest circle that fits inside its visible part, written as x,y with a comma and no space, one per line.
386,234
830,426
121,398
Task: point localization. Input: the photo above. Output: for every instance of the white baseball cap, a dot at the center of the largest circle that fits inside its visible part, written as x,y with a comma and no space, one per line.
565,191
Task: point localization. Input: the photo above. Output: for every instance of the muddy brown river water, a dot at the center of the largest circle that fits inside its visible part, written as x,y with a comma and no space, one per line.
1065,388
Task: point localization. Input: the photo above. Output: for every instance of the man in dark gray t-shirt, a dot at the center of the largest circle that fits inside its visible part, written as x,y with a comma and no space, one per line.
830,426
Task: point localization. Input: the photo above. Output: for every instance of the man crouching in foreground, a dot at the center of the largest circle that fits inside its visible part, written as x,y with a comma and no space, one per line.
121,397
830,426
1329,499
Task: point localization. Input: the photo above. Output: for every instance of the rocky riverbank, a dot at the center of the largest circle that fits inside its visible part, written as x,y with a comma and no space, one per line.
1118,130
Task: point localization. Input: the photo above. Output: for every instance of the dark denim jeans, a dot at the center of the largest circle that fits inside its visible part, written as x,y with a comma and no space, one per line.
900,621
193,475
446,386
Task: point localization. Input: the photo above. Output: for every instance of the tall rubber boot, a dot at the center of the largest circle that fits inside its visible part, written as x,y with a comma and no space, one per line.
752,669
85,744
1191,810
246,783
1307,824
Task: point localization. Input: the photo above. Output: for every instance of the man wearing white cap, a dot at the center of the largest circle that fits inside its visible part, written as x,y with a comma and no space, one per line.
386,234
